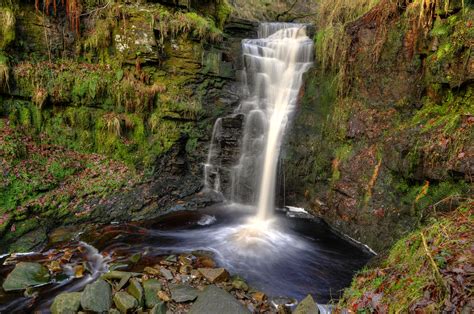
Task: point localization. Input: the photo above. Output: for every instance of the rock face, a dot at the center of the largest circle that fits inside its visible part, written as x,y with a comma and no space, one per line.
142,84
216,300
67,302
97,297
26,275
374,158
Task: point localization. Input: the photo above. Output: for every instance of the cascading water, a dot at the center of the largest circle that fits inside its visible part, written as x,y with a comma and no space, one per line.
279,255
274,66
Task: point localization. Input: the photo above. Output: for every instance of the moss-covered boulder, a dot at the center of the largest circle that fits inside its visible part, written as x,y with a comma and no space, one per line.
97,297
125,302
136,290
151,288
24,275
67,302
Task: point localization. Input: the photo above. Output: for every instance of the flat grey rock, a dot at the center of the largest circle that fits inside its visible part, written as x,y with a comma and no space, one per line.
183,293
216,300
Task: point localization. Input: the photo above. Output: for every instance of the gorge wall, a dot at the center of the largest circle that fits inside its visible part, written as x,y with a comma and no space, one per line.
386,141
107,107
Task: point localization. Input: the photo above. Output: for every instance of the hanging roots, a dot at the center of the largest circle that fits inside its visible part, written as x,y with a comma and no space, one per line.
73,10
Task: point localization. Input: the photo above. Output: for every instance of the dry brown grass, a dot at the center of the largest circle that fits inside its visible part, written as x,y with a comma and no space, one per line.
4,74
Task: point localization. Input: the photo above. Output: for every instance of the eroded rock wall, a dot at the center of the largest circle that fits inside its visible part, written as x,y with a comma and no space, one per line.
138,83
391,143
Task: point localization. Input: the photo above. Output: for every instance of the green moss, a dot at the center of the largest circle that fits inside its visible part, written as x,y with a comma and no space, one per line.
411,271
7,27
222,13
426,198
341,154
179,23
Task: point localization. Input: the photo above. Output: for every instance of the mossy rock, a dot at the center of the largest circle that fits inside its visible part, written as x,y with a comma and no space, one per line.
124,302
24,275
7,27
136,290
151,287
97,297
135,38
66,303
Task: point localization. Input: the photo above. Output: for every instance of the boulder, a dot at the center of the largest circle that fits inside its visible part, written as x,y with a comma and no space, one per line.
307,306
159,309
136,290
124,302
216,300
26,275
67,302
97,297
151,288
214,275
183,293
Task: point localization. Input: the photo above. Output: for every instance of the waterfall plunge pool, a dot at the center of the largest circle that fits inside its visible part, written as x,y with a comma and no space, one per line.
285,256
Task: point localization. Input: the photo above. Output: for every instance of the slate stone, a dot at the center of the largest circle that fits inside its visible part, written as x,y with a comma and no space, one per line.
216,300
183,293
166,273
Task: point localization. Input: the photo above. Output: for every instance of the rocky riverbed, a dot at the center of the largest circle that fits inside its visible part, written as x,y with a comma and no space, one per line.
176,283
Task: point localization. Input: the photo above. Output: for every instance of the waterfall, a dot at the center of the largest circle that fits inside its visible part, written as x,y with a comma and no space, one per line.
274,65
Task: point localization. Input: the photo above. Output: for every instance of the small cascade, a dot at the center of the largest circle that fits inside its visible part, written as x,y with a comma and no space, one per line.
274,65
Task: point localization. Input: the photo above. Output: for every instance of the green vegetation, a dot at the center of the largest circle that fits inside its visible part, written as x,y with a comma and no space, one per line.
123,113
186,23
49,182
331,38
419,272
7,27
224,10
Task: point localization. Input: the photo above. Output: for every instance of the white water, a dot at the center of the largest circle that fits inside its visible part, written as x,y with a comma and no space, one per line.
274,66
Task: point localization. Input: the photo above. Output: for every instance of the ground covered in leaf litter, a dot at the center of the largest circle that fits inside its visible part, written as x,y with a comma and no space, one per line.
44,182
429,271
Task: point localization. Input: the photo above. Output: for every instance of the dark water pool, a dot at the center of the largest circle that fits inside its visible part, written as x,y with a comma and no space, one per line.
284,257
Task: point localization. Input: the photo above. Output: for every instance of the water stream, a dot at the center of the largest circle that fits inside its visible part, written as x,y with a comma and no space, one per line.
274,65
296,257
